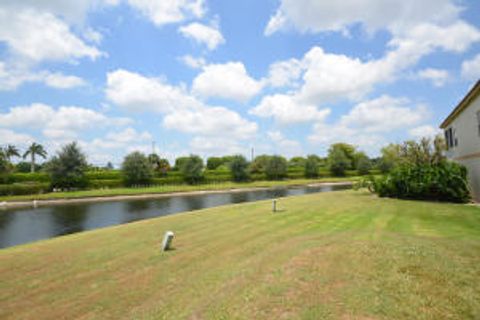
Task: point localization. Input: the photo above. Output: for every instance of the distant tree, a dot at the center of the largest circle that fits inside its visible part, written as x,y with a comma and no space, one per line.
239,168
34,150
25,167
109,166
362,163
214,162
179,163
391,156
67,168
276,168
311,166
137,169
192,169
11,151
348,150
338,160
4,163
163,166
259,163
297,162
154,160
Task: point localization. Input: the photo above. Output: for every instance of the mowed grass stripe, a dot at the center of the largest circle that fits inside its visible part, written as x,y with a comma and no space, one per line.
331,255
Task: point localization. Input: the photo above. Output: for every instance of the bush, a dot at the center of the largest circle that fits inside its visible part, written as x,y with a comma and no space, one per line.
239,168
136,169
67,168
443,181
276,168
23,188
192,169
363,166
338,162
214,162
311,167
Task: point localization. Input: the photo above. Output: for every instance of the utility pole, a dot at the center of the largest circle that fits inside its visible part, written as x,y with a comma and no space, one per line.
253,154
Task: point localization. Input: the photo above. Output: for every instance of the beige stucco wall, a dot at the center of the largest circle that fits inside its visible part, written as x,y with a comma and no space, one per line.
466,131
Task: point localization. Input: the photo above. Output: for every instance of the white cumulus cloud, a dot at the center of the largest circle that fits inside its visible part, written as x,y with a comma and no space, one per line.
208,35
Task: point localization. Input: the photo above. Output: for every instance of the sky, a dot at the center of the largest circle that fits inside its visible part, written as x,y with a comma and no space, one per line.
218,77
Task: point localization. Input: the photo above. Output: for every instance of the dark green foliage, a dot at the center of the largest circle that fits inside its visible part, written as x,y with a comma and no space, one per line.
192,169
239,168
443,181
259,164
67,168
23,188
338,161
179,163
297,162
362,163
276,168
137,169
25,167
214,162
311,167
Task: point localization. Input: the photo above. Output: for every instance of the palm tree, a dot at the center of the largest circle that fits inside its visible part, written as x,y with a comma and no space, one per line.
34,149
11,151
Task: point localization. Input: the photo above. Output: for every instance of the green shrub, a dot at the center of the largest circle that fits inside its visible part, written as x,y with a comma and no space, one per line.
27,177
192,169
23,188
67,168
276,168
311,167
104,183
443,181
137,170
104,175
239,169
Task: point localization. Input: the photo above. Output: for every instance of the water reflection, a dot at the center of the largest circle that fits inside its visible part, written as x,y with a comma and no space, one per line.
25,225
68,219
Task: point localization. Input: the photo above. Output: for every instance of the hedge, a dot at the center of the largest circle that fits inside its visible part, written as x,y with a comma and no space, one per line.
23,188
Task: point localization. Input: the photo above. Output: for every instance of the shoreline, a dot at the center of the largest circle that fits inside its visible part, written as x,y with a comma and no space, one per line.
50,202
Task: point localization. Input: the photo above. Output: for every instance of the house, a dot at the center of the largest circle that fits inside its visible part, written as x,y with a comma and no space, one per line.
462,134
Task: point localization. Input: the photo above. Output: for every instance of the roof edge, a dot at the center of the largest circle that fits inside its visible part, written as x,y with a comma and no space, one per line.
472,94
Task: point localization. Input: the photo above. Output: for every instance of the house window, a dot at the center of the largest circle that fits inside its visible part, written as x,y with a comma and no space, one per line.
478,122
450,139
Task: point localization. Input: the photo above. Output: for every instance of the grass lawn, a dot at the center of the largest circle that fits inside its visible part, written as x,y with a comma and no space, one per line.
338,255
170,188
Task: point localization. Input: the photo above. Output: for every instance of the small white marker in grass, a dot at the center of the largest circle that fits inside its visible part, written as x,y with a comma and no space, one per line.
167,240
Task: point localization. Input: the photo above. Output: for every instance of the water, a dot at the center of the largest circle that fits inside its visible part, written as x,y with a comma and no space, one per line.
19,226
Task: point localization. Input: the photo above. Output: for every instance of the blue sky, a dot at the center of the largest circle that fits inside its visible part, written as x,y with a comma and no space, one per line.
216,77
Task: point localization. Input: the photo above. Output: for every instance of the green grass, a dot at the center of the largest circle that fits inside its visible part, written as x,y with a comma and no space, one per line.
169,189
337,255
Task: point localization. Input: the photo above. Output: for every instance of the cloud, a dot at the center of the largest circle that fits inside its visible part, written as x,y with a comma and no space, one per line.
193,62
216,146
384,114
285,73
207,35
61,81
286,109
162,12
211,121
41,36
424,131
324,16
121,139
134,92
229,81
12,137
285,146
438,76
182,112
63,123
471,68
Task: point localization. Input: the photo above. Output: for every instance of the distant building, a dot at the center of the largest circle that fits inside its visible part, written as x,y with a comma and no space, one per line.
462,134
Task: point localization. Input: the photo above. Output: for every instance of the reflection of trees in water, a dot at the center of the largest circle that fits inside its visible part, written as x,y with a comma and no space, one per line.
194,202
163,203
137,206
5,218
238,197
69,219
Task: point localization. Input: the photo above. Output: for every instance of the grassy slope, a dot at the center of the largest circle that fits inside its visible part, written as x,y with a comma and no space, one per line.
338,255
169,188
